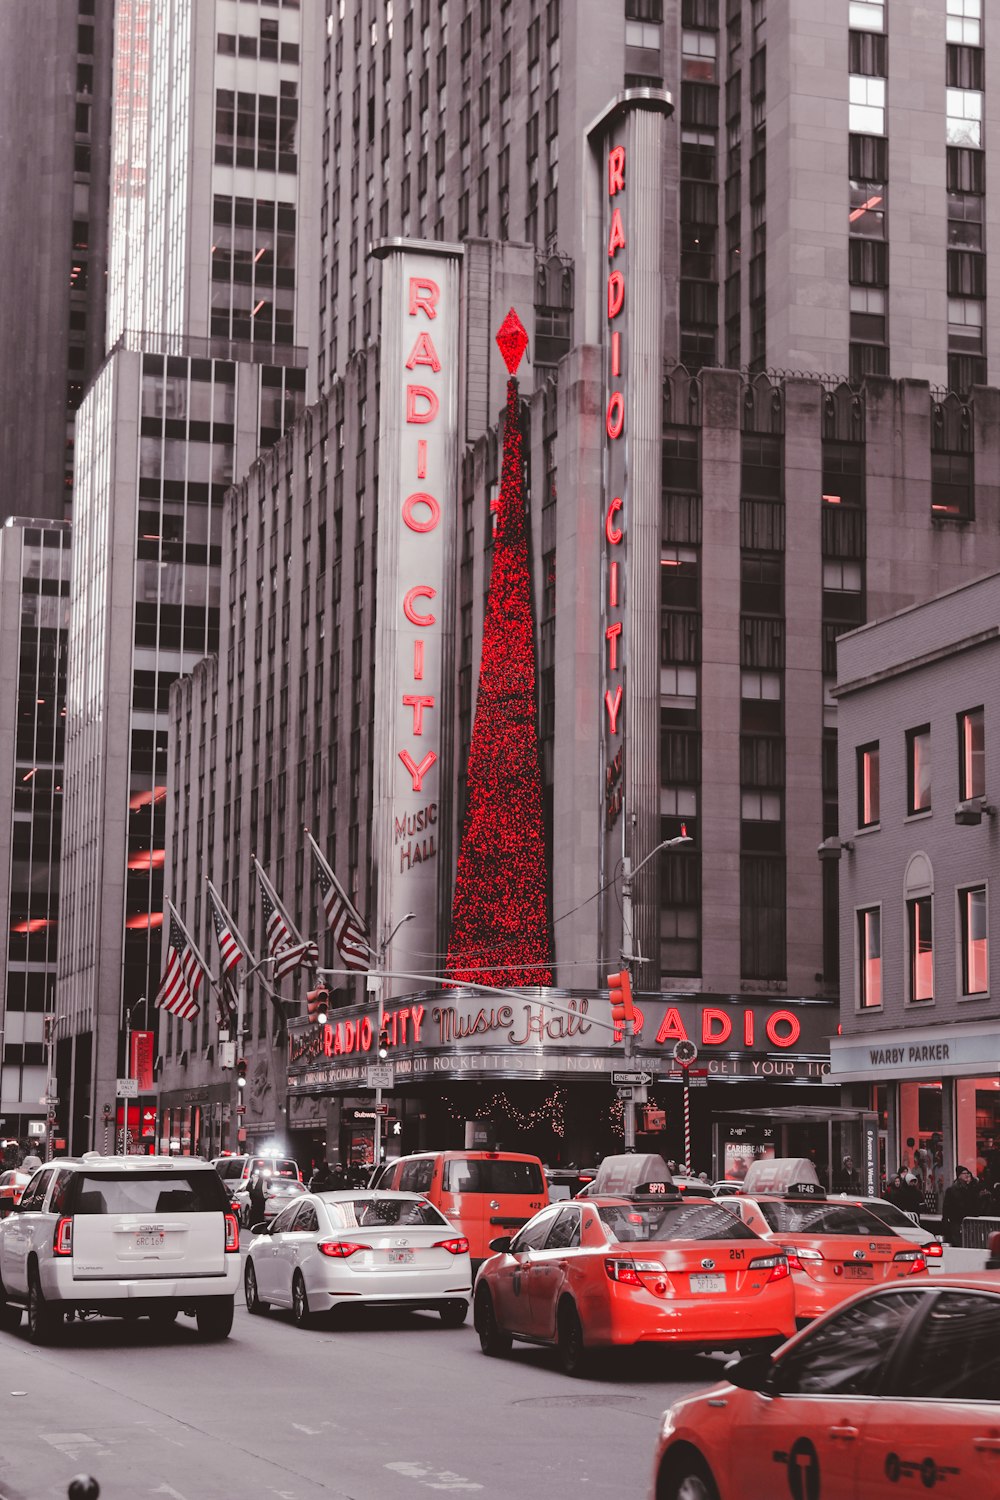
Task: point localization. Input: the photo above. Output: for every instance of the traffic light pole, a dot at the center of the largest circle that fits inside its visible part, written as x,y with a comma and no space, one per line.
628,1105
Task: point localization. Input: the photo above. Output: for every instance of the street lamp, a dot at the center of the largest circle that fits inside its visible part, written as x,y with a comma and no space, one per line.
629,958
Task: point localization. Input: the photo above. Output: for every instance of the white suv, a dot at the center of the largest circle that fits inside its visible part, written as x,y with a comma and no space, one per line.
124,1236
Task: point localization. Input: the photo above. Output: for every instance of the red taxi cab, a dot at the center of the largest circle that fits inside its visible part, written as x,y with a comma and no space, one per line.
895,1392
632,1263
835,1247
12,1185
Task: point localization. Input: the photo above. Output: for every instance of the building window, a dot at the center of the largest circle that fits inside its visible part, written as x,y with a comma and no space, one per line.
965,325
868,785
920,947
964,22
918,769
868,314
972,754
867,211
964,108
870,954
975,943
866,106
869,15
965,221
951,485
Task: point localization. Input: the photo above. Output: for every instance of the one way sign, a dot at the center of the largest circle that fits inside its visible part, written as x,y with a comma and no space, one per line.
634,1077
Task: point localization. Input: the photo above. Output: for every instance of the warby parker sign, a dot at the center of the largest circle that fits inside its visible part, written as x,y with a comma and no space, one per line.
416,527
454,1024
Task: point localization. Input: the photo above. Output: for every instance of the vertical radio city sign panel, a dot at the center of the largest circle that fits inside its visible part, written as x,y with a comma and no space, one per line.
628,151
418,427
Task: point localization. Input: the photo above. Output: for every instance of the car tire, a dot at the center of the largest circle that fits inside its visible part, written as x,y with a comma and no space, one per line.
254,1304
492,1338
574,1358
687,1478
453,1314
300,1302
43,1318
10,1316
215,1317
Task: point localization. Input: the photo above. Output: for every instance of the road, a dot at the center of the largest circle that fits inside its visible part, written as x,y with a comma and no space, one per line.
382,1407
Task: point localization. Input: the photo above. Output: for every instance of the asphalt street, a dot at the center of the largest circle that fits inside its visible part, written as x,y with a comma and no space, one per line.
380,1407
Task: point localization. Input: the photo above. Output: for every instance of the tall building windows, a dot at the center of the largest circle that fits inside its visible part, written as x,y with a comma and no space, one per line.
870,958
964,117
920,937
974,939
963,23
866,104
918,770
952,462
972,754
866,15
869,789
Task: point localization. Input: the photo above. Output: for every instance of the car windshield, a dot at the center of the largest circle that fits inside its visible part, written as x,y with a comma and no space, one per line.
176,1192
366,1213
672,1221
810,1217
499,1175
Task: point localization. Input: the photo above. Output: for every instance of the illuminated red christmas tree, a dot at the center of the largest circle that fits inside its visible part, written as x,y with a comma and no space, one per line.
500,918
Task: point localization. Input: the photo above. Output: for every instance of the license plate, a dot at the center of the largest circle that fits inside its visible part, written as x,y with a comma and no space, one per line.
400,1257
859,1273
708,1283
149,1241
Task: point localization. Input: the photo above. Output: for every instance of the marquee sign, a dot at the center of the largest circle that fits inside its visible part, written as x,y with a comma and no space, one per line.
418,427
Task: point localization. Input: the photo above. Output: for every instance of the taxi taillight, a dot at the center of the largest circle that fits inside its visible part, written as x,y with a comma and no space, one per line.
340,1249
796,1257
453,1247
232,1234
776,1265
915,1258
630,1272
62,1240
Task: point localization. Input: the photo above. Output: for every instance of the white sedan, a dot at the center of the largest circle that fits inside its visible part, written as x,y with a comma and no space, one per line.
335,1249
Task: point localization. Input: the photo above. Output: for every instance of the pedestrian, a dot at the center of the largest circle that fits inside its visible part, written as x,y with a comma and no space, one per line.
910,1200
847,1180
255,1192
321,1179
959,1203
986,1205
896,1191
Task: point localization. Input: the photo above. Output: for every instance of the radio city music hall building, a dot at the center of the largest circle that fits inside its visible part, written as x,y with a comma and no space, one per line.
697,544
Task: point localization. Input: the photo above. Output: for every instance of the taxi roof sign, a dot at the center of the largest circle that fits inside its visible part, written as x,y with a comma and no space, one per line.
634,1174
789,1176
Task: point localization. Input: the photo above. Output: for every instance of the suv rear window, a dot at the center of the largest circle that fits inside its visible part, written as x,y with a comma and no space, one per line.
680,1221
277,1166
493,1176
180,1192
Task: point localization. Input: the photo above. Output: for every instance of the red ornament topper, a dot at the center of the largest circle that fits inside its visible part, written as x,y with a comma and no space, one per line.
512,340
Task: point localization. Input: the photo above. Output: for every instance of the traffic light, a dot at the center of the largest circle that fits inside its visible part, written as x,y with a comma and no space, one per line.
620,986
383,1043
241,1072
316,1005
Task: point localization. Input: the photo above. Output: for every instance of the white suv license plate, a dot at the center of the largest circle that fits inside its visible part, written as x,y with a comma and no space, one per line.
708,1283
148,1241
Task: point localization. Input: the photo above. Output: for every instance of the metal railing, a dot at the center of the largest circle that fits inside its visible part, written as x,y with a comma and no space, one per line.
976,1232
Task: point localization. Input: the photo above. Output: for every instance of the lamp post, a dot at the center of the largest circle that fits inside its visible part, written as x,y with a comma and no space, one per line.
629,958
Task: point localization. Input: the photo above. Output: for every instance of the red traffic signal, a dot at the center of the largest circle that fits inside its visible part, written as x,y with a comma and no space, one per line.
620,986
317,1005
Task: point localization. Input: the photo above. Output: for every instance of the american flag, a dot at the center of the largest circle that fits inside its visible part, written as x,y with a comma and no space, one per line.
288,950
227,1003
182,976
350,933
230,950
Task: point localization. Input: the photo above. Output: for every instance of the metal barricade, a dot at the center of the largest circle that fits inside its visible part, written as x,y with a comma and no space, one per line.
976,1232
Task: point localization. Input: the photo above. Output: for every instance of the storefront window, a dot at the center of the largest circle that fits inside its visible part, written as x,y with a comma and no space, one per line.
977,1127
975,953
922,1140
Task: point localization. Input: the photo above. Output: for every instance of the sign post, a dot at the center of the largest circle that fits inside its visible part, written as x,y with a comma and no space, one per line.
685,1053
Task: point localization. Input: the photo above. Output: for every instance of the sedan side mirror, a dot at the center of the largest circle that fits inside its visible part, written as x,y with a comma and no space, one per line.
752,1372
501,1245
263,1228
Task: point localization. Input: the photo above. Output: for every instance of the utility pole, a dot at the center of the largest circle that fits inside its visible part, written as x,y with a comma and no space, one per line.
375,985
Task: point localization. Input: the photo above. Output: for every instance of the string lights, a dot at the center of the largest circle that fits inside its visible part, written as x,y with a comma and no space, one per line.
500,918
551,1112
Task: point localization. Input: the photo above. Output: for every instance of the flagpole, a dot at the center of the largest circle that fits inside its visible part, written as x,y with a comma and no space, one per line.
231,920
261,874
326,866
194,946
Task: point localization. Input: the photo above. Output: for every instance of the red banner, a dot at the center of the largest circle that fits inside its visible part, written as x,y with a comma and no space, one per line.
141,1059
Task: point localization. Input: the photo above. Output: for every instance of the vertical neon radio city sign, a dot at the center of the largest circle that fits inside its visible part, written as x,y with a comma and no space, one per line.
616,515
418,422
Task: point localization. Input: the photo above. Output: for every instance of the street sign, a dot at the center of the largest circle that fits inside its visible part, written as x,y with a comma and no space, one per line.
126,1088
698,1083
624,1092
685,1052
618,1076
381,1076
640,1094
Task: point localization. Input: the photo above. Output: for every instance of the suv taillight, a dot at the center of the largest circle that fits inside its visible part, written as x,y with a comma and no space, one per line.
232,1235
62,1240
453,1247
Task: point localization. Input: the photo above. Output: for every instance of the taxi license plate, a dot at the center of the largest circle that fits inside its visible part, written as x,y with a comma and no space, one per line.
148,1241
859,1273
708,1283
400,1257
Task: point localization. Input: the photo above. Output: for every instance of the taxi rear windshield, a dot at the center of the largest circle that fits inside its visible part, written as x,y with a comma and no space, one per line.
153,1193
474,1176
673,1221
823,1218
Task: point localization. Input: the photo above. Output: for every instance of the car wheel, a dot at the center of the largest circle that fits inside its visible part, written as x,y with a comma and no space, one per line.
43,1319
10,1316
492,1338
453,1314
573,1356
300,1302
215,1317
687,1479
254,1304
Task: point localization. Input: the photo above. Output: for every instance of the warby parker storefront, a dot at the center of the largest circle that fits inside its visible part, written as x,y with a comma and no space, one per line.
543,1077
